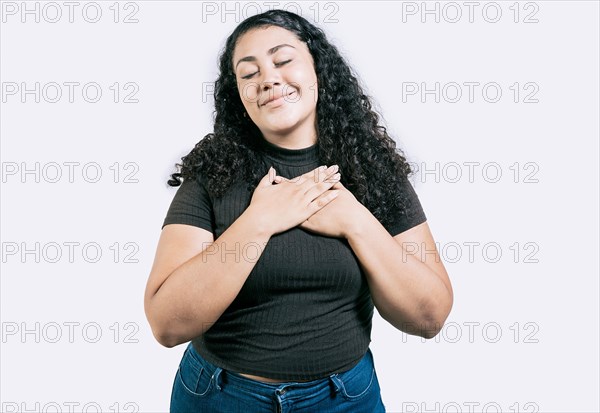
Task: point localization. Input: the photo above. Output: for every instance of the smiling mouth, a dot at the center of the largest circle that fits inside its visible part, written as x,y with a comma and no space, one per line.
280,99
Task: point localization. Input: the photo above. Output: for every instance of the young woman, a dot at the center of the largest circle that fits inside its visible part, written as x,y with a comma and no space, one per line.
269,262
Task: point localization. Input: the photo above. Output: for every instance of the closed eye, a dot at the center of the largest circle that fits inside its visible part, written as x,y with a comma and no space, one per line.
276,65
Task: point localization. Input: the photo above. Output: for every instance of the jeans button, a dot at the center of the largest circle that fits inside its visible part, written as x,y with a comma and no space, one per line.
281,391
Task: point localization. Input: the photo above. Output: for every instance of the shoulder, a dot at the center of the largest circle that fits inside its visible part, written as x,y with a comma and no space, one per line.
409,213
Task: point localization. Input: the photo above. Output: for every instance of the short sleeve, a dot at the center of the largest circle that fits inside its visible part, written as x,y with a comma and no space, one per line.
191,205
414,212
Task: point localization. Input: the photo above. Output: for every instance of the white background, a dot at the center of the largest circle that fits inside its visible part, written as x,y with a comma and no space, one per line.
523,332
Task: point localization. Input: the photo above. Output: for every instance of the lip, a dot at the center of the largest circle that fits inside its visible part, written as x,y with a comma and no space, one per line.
275,101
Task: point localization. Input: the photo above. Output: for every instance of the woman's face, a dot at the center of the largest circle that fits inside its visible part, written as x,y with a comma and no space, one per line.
271,63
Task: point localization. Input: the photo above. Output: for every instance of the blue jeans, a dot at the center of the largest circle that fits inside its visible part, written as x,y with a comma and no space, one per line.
203,387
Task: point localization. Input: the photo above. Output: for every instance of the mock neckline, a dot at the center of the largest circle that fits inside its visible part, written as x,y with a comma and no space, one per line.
295,157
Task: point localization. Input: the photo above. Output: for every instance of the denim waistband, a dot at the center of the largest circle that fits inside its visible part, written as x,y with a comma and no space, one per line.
220,376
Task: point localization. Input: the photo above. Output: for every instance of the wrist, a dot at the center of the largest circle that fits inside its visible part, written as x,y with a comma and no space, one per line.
361,219
259,222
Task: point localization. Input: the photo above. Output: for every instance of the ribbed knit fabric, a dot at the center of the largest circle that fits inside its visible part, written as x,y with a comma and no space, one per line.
305,309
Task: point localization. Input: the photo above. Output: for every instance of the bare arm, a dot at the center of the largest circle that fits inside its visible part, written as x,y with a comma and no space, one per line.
195,294
408,281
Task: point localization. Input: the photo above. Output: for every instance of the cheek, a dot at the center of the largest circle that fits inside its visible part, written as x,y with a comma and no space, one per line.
307,83
313,92
248,92
310,92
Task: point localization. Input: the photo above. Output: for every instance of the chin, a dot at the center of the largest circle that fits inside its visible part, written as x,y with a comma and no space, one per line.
281,129
278,123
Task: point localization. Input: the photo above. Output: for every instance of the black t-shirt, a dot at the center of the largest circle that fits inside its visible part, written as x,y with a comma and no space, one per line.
305,310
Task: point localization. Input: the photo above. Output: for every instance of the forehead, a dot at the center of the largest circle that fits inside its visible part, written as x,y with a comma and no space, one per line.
257,41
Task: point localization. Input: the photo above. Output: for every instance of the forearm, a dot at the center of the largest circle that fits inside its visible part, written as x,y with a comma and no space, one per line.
405,291
197,293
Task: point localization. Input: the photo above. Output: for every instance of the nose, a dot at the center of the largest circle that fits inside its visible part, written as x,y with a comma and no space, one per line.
271,78
266,85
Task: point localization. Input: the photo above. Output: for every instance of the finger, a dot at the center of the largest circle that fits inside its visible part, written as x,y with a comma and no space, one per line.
333,178
300,179
323,200
315,190
314,175
268,178
278,179
324,174
333,193
323,180
297,180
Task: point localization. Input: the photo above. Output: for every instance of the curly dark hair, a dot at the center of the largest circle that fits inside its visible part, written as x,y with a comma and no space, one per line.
348,130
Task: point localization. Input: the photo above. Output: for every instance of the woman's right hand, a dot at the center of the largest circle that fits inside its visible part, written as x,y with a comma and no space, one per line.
279,204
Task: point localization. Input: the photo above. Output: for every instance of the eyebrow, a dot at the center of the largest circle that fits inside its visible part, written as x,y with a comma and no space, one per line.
269,52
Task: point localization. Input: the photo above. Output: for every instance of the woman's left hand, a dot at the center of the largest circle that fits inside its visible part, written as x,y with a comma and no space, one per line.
337,218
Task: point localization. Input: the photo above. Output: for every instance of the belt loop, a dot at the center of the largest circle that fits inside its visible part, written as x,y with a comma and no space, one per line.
215,377
335,380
